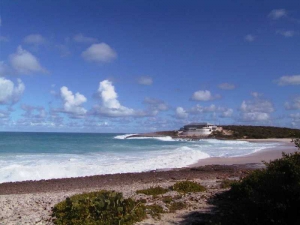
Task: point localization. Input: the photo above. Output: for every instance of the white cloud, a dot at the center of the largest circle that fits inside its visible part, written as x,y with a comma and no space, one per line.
256,116
226,86
276,14
145,80
198,109
203,96
289,80
72,103
34,39
227,113
293,104
9,92
181,113
110,105
258,105
286,33
25,63
256,110
202,109
80,38
99,53
249,38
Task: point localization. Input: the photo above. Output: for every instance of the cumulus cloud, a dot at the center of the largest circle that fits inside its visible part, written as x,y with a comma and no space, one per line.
145,80
249,38
276,14
286,33
73,103
256,110
293,104
80,38
9,92
34,39
110,104
203,96
227,113
289,80
181,113
226,86
99,53
25,63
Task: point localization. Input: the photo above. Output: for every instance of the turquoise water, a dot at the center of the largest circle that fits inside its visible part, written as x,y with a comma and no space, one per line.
35,156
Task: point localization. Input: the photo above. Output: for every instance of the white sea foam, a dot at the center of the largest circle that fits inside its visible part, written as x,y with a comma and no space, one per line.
32,167
119,157
123,136
165,138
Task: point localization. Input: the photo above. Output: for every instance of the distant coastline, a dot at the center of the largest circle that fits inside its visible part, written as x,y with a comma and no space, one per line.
232,132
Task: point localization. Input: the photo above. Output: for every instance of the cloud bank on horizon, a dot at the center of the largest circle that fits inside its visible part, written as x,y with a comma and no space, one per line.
143,67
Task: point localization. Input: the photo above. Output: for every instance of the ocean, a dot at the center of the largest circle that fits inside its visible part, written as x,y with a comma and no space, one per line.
37,156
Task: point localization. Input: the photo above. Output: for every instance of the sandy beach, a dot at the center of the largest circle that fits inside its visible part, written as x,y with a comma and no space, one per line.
30,202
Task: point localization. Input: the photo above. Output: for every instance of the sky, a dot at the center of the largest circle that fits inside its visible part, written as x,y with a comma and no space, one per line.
143,66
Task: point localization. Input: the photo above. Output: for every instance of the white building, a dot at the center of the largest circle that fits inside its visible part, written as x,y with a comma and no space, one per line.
198,129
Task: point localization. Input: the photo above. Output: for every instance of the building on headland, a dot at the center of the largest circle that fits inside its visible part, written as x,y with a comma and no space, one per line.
197,129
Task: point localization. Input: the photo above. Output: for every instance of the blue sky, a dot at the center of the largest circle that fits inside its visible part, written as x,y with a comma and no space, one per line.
140,66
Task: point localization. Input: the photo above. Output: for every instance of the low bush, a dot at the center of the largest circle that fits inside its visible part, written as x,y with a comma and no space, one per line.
153,191
188,186
98,208
227,183
176,206
267,196
167,199
155,210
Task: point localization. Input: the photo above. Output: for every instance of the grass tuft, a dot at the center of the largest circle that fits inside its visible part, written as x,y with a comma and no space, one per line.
153,191
188,186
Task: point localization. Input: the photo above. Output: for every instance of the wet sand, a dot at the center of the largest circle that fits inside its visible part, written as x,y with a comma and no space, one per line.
284,145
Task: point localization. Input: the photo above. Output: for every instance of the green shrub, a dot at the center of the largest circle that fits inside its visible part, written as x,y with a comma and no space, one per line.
167,199
227,183
155,211
297,143
177,206
98,208
188,186
268,196
153,191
